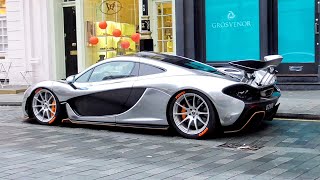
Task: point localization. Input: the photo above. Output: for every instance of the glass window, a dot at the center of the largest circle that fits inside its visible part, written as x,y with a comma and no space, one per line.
3,34
3,27
110,24
188,63
85,77
164,27
112,70
232,30
3,8
146,69
296,31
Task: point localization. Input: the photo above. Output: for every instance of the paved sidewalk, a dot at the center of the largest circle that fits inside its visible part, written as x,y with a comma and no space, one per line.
283,150
294,104
300,104
11,99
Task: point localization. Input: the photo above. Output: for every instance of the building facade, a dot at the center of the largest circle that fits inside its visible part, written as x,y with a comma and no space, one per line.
251,29
54,39
50,40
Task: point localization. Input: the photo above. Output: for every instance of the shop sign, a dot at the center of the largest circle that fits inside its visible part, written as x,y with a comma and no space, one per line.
110,7
230,23
232,30
145,25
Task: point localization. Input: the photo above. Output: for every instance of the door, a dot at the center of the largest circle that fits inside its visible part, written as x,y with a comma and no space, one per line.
163,26
70,40
104,91
298,36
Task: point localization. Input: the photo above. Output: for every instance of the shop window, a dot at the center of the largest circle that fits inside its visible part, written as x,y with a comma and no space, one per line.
3,10
107,40
3,27
164,27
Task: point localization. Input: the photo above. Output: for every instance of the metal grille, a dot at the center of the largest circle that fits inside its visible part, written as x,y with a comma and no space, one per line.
241,146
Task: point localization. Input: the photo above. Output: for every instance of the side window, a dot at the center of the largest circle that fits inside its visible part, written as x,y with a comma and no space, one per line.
146,69
112,70
84,77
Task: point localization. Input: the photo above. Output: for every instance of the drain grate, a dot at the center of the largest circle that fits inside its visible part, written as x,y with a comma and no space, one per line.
241,146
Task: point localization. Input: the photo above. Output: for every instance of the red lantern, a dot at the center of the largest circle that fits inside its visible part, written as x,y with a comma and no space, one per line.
125,44
93,40
103,25
135,37
116,33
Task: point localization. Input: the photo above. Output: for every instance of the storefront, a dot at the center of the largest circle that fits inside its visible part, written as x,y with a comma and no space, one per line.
250,29
101,29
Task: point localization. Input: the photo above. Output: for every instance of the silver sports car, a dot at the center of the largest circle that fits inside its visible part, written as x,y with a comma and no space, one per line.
157,91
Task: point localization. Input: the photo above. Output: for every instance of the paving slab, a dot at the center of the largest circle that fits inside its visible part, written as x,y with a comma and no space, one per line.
30,151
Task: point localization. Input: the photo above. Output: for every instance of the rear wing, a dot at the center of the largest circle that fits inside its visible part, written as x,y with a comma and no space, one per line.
250,66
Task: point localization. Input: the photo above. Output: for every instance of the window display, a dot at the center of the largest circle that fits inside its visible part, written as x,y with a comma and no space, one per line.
3,10
111,28
164,27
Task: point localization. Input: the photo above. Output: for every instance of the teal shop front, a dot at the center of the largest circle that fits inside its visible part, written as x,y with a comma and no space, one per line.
298,37
232,30
251,29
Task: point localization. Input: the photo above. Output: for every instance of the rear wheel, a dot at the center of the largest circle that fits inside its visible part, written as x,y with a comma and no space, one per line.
192,114
45,107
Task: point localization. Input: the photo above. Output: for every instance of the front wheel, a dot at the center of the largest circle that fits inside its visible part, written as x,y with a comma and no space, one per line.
192,114
45,107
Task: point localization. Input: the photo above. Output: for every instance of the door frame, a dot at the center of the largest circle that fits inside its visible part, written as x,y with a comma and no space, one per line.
154,26
78,4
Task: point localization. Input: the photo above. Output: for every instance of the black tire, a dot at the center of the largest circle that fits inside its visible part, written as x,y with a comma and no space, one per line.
57,108
211,124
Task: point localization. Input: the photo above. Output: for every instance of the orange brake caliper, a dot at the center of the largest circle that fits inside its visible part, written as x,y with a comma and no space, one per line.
183,110
53,108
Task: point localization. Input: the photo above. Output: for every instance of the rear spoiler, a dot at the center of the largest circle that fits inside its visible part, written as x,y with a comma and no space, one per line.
250,66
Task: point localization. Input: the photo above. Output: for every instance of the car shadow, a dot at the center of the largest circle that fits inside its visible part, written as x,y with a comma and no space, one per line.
169,132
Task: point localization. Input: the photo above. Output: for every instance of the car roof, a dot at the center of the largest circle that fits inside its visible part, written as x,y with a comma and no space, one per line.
151,58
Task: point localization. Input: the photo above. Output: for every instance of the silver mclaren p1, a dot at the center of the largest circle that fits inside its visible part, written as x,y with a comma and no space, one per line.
157,91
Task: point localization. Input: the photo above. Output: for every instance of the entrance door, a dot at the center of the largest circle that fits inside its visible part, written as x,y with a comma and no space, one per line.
298,31
70,40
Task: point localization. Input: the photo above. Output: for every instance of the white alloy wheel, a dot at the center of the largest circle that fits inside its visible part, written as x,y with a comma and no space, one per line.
44,106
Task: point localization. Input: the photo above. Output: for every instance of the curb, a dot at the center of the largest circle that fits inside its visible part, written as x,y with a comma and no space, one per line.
298,116
10,104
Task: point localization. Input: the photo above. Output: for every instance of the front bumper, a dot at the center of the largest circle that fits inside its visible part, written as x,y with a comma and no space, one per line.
254,113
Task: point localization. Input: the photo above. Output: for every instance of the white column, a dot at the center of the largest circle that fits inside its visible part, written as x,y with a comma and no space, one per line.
81,42
16,40
57,50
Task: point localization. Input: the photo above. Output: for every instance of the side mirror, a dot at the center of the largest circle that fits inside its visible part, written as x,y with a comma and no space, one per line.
71,79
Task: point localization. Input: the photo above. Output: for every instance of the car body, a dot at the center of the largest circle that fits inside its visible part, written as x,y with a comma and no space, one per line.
157,90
